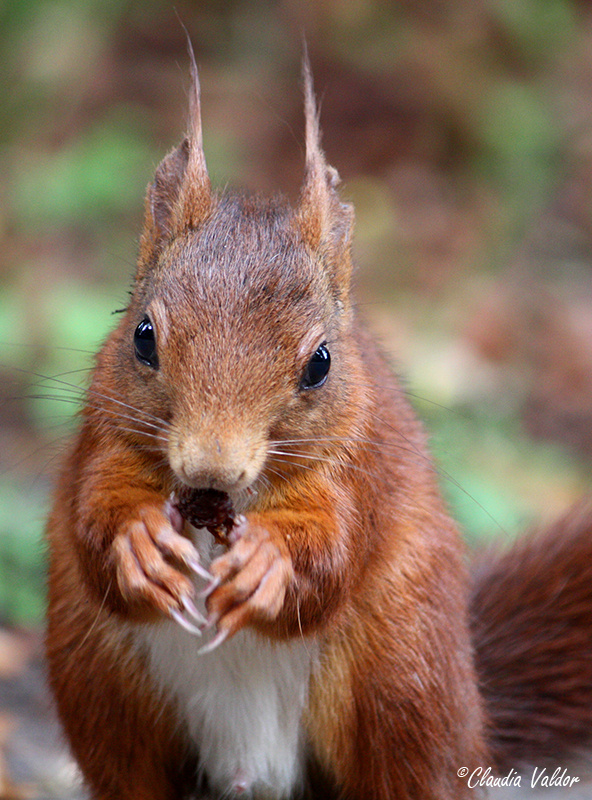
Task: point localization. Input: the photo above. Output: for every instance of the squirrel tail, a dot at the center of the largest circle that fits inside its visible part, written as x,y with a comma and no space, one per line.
531,616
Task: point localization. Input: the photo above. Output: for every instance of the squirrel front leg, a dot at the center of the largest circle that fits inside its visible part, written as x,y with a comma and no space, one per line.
286,571
129,537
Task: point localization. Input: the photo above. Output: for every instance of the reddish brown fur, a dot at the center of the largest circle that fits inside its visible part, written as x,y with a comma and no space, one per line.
120,730
533,607
348,541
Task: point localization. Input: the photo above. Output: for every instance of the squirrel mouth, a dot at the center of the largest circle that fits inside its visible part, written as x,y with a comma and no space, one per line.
207,508
213,509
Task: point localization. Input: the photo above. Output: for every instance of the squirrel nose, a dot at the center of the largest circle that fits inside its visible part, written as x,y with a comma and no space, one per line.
215,467
223,480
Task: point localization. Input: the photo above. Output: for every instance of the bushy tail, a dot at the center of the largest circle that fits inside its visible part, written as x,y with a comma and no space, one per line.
532,628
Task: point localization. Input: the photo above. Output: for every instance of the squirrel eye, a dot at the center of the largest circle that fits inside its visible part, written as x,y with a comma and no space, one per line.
145,343
317,369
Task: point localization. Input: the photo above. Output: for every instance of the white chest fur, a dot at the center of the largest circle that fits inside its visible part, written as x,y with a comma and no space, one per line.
242,703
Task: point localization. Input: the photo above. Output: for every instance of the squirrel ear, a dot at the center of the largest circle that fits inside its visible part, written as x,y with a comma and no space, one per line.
325,221
163,192
195,197
179,197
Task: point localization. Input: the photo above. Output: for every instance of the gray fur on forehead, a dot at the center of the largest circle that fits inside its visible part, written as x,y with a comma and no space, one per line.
246,243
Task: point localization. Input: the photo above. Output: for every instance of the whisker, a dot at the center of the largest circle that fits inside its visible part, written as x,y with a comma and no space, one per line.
82,392
332,462
443,473
377,446
273,472
116,414
70,372
314,457
139,432
264,481
158,423
30,346
31,454
401,390
61,398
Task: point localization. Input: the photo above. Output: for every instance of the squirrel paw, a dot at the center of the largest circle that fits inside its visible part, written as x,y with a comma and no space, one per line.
144,549
252,580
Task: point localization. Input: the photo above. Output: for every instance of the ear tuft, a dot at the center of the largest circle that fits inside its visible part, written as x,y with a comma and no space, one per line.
196,189
164,189
179,198
325,221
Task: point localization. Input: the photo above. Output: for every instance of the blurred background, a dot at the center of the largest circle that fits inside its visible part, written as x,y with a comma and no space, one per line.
462,130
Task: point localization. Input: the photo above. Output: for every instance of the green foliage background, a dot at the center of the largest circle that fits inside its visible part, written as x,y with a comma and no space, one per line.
462,131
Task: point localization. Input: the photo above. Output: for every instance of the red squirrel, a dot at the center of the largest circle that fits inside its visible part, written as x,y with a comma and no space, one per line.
315,633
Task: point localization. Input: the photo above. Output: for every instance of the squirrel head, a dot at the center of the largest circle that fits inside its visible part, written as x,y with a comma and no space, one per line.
238,334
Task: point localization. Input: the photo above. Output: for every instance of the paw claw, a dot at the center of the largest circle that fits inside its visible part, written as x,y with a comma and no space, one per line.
174,515
212,621
212,586
191,609
194,565
180,619
220,637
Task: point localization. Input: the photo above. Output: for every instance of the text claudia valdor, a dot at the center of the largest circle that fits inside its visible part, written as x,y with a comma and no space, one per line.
540,778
